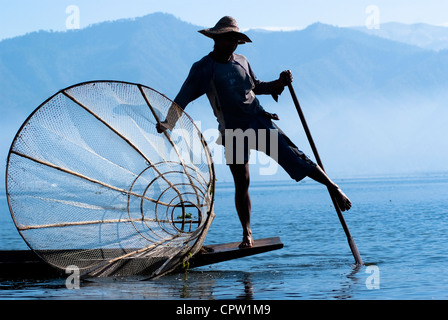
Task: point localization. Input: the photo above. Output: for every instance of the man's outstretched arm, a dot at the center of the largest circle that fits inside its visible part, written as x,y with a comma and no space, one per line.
194,86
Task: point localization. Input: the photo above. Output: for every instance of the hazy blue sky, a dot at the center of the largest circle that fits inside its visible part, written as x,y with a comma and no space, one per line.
18,17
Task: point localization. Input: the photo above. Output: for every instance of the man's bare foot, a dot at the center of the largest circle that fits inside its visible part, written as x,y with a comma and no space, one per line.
247,242
342,200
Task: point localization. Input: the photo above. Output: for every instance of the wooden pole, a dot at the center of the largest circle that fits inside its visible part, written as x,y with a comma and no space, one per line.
350,240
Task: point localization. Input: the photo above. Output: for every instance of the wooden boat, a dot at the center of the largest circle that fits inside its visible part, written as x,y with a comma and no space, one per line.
25,264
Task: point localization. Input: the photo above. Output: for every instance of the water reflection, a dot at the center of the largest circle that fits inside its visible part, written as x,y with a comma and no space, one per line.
340,283
248,292
350,284
218,285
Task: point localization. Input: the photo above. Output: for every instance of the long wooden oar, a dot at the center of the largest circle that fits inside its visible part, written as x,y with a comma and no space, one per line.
351,242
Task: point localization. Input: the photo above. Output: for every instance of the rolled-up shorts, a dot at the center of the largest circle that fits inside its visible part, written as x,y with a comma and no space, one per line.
263,135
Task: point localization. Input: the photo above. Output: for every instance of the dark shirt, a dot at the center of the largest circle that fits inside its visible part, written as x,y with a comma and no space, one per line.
230,88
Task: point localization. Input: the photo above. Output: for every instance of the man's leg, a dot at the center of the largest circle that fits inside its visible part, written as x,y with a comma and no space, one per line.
320,176
241,178
295,162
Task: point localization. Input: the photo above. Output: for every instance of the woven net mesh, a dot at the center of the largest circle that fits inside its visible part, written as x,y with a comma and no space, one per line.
91,183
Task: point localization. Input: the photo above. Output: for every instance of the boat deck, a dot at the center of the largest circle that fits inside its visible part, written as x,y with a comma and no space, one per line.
25,264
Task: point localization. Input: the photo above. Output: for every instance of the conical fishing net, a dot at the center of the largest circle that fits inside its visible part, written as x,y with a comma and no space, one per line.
92,184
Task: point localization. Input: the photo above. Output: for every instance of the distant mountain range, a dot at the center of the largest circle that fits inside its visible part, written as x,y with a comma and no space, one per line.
375,99
419,34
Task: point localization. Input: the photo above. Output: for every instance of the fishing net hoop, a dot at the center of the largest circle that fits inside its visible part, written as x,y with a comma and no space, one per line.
149,226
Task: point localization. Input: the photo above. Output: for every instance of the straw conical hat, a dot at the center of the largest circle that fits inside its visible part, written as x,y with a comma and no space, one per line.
226,25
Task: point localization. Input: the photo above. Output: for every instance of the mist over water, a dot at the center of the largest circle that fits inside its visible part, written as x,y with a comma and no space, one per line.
354,138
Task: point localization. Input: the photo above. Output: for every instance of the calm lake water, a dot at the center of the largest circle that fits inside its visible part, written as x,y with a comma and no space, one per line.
400,226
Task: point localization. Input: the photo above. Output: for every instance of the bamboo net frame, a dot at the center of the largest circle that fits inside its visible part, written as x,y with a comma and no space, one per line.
101,233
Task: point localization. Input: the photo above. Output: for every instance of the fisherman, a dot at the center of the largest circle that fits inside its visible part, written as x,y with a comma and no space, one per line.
230,85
